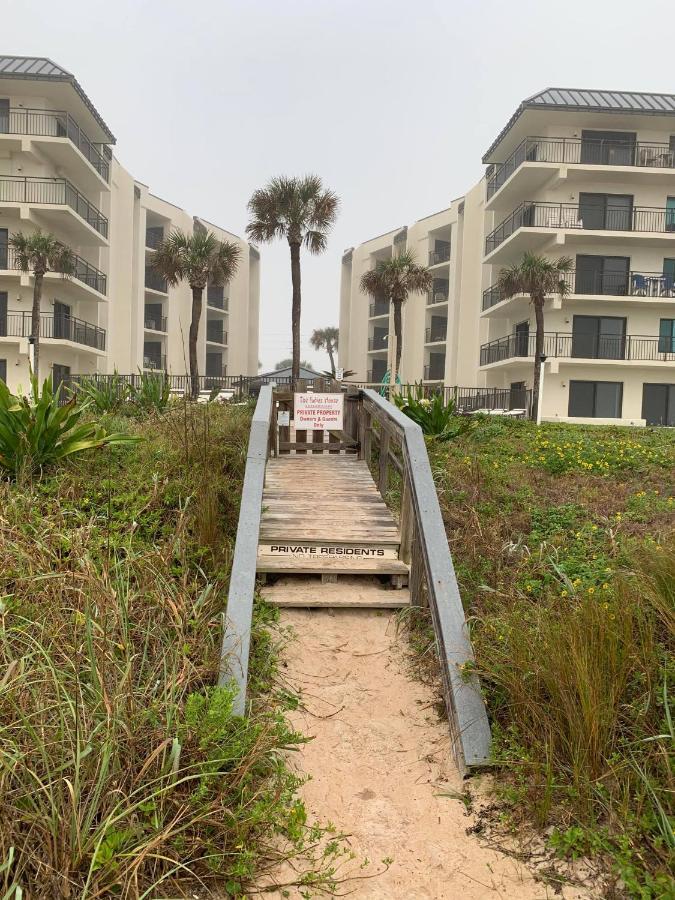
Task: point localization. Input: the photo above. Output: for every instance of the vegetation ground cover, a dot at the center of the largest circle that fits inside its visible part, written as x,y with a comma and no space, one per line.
123,771
563,539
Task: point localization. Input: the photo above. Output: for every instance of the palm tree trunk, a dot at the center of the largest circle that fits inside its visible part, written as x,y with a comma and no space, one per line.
192,339
398,331
295,309
329,349
538,303
35,322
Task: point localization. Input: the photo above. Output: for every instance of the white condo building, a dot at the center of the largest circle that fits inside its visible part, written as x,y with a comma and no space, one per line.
58,173
584,174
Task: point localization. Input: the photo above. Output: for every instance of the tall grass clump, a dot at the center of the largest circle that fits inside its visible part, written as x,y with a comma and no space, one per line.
123,771
564,544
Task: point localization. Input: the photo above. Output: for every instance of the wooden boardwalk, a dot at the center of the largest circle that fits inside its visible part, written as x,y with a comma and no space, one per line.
323,515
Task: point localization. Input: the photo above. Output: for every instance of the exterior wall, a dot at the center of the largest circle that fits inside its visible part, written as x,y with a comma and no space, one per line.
34,145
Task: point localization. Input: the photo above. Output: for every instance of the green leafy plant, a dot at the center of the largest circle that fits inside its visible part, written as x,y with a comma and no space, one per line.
107,394
39,431
435,417
152,393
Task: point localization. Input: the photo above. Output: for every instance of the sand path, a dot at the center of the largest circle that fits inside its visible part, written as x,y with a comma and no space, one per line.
380,764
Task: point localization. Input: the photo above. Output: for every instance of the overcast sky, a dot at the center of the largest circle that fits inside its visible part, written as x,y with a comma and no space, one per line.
392,103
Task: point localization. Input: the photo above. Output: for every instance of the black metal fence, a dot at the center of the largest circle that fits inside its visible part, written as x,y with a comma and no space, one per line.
83,271
379,342
644,348
54,325
435,334
532,214
439,255
215,333
52,191
155,323
154,281
54,123
379,308
586,151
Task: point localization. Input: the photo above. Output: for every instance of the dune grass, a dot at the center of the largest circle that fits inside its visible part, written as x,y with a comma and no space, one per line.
123,771
563,539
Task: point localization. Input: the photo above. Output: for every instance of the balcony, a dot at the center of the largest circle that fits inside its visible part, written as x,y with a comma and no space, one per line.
47,123
439,255
155,323
378,308
155,282
215,333
83,272
378,342
436,334
375,376
437,296
49,192
574,218
155,362
54,327
578,151
608,348
215,297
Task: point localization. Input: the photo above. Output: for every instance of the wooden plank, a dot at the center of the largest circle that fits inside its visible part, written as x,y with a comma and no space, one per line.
352,594
383,483
318,564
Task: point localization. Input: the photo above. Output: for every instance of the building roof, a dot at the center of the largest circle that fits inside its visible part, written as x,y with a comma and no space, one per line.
590,101
286,372
39,68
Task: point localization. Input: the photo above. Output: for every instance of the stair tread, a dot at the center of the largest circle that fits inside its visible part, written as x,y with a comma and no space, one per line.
333,564
366,593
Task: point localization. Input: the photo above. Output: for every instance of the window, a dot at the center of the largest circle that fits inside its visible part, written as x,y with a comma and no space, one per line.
4,247
4,116
608,148
602,275
3,312
595,399
598,337
667,336
658,404
670,214
3,370
60,376
611,212
669,277
215,295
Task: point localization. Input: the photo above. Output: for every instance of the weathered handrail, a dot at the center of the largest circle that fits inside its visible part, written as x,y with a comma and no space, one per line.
425,545
237,618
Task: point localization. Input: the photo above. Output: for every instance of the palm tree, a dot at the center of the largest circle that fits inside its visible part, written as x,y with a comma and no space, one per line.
536,276
302,211
288,363
395,278
329,338
200,259
39,253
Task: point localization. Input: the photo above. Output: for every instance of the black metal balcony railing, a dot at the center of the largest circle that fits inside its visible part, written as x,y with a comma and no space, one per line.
438,295
55,326
55,123
83,271
154,361
215,297
379,308
574,216
440,255
153,237
52,191
378,343
436,334
375,377
155,282
639,347
611,284
434,372
215,333
155,323
581,150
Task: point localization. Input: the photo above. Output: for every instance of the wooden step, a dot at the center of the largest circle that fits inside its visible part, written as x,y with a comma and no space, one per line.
351,593
336,565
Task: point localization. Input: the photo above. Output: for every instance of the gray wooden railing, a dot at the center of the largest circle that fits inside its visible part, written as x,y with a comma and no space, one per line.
433,583
238,616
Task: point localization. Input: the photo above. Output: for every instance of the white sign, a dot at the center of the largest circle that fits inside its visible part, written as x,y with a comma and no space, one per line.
318,412
339,374
304,551
284,417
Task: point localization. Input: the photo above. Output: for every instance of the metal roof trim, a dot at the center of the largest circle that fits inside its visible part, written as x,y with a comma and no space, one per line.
38,68
633,102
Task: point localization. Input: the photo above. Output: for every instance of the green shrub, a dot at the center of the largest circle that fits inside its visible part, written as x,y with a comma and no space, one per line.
107,394
152,393
39,431
436,418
